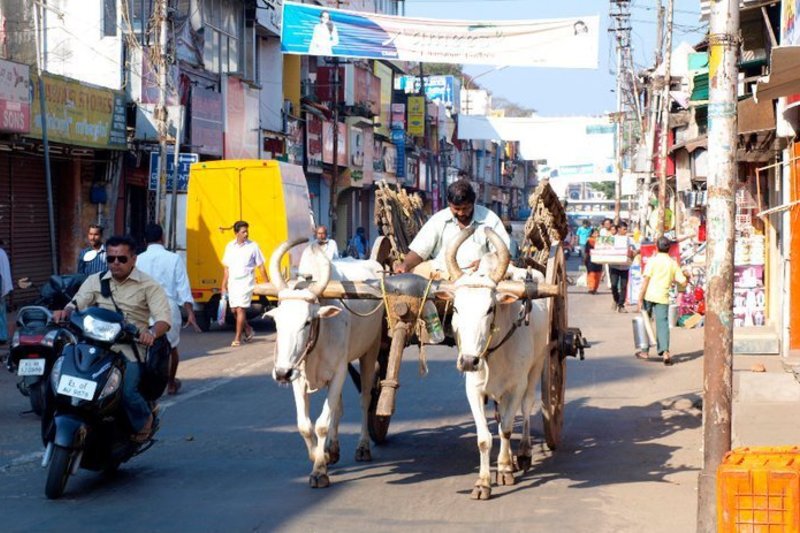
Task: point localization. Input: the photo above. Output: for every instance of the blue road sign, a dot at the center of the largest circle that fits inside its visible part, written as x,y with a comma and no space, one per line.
184,162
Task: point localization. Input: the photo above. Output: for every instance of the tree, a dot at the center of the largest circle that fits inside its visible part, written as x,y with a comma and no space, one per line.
511,109
608,188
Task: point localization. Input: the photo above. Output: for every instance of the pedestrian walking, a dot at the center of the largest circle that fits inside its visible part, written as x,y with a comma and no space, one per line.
618,274
513,246
6,286
241,259
357,248
92,259
169,270
659,275
583,233
594,271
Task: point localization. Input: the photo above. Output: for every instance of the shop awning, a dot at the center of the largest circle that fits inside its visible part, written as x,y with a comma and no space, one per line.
692,144
784,77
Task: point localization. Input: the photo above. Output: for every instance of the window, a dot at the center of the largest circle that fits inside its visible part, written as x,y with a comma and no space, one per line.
109,18
223,32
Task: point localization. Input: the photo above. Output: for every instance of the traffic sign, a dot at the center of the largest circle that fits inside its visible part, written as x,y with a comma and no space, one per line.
184,162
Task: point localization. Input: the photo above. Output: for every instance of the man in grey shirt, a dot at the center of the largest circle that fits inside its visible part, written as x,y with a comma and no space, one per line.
443,227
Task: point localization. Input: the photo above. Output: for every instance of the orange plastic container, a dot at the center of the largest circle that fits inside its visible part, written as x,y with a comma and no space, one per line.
758,490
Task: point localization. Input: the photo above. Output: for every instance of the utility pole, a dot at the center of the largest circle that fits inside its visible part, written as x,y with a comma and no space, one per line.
718,346
655,106
335,166
663,145
160,15
41,54
621,30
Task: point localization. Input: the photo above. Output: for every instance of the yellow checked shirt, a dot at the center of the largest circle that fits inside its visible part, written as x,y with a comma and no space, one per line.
139,297
662,271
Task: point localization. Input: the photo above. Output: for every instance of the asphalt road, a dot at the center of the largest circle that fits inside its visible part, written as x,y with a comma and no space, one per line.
229,458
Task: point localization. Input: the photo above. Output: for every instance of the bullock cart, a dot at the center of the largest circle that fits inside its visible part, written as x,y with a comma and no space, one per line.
399,217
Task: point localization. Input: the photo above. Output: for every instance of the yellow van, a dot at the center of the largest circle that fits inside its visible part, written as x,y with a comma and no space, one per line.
271,196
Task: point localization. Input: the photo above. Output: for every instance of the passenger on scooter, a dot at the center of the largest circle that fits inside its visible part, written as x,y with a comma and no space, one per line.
138,297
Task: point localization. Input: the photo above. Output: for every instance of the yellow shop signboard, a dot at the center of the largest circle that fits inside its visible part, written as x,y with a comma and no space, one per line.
79,114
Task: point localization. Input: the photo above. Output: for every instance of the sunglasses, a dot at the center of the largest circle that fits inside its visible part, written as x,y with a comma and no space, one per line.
119,258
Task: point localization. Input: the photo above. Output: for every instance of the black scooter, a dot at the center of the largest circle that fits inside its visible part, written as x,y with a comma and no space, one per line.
87,427
37,340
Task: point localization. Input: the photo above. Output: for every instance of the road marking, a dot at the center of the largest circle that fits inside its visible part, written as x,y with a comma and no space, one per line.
237,371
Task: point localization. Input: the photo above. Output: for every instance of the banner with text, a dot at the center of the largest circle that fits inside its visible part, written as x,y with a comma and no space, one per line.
558,43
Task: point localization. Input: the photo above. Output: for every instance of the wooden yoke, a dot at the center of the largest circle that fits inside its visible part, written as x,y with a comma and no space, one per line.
369,290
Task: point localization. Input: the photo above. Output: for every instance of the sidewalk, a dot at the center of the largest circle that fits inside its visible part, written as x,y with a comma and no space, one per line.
766,405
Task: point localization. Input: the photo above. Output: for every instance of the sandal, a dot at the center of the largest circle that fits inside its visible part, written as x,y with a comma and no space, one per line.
174,387
668,361
236,343
249,336
143,435
642,355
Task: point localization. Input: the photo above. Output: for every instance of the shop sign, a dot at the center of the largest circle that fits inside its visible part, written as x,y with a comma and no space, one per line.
399,141
416,116
423,176
384,74
327,143
207,128
294,142
242,128
15,97
80,114
356,158
389,157
314,143
398,116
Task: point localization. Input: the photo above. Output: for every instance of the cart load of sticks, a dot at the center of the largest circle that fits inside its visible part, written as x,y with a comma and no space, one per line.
546,224
398,216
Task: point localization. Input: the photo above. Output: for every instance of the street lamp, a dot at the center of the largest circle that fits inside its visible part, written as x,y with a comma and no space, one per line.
473,78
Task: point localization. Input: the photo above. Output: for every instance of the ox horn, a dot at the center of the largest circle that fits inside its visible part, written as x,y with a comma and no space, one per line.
317,287
503,255
275,274
453,270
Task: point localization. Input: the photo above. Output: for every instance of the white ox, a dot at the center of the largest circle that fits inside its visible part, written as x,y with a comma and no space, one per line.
502,360
315,342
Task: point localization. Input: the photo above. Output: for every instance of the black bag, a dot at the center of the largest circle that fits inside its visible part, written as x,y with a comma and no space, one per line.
155,369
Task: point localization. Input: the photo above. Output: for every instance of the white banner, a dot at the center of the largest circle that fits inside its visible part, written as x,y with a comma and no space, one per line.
556,43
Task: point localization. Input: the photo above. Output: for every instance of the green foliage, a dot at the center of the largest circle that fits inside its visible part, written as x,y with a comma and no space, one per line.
606,187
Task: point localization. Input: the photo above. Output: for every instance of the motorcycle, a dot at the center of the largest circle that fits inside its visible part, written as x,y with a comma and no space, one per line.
37,340
87,427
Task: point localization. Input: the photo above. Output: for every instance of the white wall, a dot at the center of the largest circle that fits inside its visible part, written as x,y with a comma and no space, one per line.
270,76
76,47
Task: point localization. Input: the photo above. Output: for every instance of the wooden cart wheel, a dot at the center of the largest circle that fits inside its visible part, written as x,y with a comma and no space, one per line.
554,373
378,426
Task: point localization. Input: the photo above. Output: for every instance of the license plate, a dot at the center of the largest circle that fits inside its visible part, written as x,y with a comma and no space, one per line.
76,387
31,367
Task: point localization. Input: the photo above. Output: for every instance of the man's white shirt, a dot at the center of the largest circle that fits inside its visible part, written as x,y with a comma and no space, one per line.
242,259
330,248
442,228
169,270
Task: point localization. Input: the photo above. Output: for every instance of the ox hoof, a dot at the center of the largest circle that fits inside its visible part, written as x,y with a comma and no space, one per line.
332,455
481,493
524,462
319,481
363,454
505,478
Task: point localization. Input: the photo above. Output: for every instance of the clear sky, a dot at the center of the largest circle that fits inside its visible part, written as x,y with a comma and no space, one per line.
557,92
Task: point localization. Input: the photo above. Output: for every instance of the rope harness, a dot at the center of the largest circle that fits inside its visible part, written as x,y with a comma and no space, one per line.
523,317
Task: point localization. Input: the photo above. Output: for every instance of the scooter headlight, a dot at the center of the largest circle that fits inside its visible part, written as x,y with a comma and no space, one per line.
55,373
100,330
113,383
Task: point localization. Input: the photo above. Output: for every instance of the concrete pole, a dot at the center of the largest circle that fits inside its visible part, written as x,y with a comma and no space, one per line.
718,349
620,122
651,132
663,146
161,112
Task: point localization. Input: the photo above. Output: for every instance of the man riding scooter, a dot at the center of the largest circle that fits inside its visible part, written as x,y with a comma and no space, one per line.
138,297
